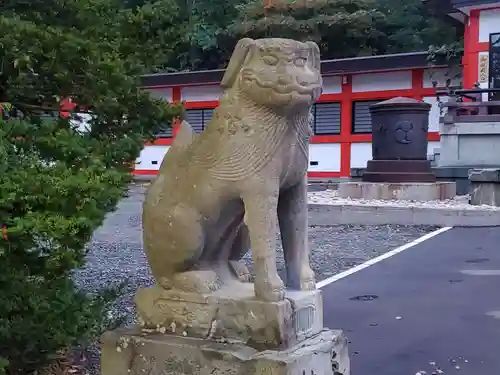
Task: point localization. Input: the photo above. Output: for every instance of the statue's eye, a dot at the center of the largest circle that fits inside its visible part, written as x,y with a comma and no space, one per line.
300,61
270,60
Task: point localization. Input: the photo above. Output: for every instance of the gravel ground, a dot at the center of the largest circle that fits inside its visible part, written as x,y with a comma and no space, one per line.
116,252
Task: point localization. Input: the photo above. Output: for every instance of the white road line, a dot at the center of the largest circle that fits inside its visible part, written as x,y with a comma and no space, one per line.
380,258
481,272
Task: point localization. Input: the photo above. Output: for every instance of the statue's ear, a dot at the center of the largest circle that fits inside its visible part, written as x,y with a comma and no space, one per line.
236,62
315,55
315,64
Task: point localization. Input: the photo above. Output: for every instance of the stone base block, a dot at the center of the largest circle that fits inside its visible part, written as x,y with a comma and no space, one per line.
398,191
232,312
130,352
485,186
469,143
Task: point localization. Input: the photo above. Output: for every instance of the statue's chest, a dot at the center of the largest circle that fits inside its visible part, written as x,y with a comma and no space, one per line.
294,160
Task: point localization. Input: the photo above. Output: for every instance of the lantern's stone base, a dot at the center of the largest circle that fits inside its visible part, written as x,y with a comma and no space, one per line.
130,352
420,191
397,171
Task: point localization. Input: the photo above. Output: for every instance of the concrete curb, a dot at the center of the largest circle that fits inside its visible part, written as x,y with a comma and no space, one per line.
325,215
330,184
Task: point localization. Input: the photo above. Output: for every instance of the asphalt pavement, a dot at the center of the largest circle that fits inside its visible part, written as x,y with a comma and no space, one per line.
432,309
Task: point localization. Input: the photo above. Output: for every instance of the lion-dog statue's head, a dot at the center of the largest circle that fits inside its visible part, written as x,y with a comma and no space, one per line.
275,72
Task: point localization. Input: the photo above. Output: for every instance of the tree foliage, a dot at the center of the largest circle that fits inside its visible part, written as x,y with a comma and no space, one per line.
206,42
58,180
413,26
342,28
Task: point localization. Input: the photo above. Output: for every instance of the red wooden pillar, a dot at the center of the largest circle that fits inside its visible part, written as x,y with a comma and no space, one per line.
346,126
175,127
176,98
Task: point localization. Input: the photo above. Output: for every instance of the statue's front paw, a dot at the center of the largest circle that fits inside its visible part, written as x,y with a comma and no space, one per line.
270,289
307,279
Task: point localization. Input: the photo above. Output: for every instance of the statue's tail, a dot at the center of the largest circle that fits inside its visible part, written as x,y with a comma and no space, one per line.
183,139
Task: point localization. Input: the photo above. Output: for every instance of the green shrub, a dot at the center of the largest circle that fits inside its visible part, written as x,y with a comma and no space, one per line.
57,182
39,317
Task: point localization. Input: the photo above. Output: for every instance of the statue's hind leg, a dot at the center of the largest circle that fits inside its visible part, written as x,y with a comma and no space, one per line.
193,278
174,243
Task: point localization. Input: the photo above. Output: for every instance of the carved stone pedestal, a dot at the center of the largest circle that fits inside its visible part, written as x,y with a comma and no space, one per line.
226,332
233,313
130,352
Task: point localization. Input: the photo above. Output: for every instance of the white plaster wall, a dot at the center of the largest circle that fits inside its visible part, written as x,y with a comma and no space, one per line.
432,146
82,123
201,93
489,23
440,76
162,93
435,112
148,155
360,154
382,81
332,85
327,155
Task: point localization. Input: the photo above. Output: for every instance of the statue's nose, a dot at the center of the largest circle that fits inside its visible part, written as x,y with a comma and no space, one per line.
306,79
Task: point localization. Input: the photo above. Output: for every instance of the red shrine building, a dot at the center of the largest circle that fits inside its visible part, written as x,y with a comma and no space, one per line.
341,118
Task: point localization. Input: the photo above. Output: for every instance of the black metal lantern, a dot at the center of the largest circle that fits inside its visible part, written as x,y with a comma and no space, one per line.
399,142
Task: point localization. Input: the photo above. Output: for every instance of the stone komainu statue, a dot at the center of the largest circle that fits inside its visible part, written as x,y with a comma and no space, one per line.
220,191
